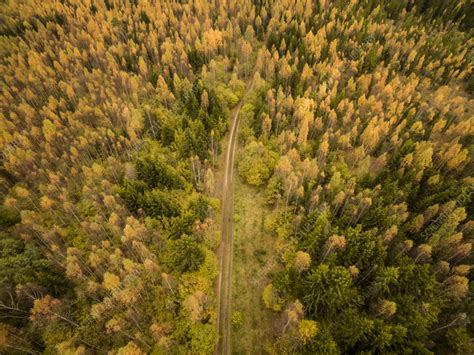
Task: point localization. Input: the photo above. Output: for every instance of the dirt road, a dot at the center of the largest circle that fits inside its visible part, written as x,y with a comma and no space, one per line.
223,288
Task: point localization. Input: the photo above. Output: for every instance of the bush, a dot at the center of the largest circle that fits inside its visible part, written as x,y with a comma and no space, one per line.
237,320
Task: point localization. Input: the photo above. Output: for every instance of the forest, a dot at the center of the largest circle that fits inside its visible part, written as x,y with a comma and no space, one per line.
354,122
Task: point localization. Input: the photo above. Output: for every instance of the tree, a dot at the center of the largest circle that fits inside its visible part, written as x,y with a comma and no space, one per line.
385,308
111,281
246,51
143,67
47,309
130,349
210,183
266,125
184,254
456,287
302,261
303,134
307,329
330,288
205,100
271,298
334,242
257,163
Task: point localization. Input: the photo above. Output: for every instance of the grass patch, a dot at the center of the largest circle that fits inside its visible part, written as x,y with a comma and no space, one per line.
252,251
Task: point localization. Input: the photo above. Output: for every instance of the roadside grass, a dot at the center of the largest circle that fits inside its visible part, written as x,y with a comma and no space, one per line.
252,251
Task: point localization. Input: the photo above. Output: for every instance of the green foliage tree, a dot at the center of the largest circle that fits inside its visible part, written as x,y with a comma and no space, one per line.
257,163
184,254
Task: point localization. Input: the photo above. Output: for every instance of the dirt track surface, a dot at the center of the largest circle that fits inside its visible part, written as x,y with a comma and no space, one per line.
224,283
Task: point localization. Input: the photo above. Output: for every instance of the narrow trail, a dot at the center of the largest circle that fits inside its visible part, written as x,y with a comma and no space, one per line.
224,282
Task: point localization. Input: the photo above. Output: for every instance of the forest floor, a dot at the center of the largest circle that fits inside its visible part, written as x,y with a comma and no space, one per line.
252,259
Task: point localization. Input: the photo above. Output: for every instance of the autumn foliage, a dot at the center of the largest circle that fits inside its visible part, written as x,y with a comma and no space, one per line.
358,127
